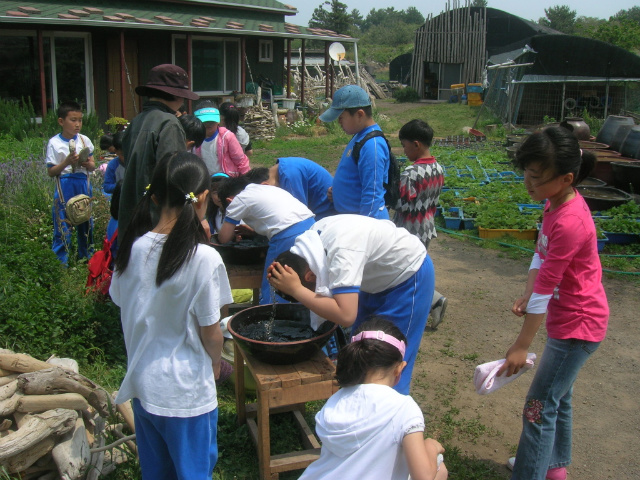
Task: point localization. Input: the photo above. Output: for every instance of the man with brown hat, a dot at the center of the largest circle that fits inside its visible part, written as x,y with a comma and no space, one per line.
154,133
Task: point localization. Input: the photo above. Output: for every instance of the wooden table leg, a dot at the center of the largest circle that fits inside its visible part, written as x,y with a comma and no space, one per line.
264,438
238,371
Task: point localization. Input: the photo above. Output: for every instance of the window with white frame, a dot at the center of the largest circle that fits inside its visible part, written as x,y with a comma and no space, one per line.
215,63
266,50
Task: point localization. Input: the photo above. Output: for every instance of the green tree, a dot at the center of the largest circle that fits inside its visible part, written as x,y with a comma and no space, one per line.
587,26
632,14
623,33
334,17
560,18
479,3
357,18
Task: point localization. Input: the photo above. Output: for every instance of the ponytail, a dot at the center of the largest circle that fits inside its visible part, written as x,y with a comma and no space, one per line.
589,161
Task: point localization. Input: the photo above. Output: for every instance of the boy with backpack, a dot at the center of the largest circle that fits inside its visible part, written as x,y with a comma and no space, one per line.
363,174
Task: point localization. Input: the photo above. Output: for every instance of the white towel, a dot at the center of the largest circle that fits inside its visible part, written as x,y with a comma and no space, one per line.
486,381
309,246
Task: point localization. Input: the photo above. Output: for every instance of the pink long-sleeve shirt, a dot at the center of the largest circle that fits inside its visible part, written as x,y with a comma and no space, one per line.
231,157
571,273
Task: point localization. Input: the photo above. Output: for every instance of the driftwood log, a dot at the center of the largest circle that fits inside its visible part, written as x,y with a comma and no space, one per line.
22,363
43,403
56,381
30,438
71,455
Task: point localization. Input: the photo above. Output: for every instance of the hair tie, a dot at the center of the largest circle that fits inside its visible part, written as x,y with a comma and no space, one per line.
191,198
580,152
380,335
146,189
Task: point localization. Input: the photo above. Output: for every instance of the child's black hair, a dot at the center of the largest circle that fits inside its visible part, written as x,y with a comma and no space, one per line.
67,107
231,116
194,129
417,130
106,141
556,149
205,104
117,140
212,208
296,262
368,110
356,359
174,178
230,188
257,175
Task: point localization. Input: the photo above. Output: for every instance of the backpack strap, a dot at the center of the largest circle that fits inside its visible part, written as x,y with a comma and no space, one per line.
355,154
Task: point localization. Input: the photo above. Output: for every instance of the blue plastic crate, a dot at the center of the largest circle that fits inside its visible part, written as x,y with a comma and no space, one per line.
602,242
453,223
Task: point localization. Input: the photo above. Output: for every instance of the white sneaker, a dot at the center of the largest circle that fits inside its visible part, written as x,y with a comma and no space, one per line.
437,312
511,462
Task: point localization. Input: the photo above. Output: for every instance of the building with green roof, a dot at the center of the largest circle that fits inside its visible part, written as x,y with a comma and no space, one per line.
97,52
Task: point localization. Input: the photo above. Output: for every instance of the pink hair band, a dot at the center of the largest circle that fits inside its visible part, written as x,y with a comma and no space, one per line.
380,335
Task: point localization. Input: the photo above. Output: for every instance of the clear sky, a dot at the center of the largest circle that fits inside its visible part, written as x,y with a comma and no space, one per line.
530,10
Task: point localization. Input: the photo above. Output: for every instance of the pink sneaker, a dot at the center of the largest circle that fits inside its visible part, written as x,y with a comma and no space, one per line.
557,474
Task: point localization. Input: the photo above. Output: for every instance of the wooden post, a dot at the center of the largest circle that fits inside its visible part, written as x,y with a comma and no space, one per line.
243,66
304,63
326,69
288,68
123,78
43,85
189,67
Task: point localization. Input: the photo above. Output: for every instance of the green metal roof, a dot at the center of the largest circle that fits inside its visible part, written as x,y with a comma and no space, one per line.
263,18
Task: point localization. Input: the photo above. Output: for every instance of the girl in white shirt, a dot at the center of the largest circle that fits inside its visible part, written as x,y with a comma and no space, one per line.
170,286
368,430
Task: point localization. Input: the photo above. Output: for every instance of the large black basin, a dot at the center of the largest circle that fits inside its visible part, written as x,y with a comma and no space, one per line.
627,176
279,353
603,198
243,252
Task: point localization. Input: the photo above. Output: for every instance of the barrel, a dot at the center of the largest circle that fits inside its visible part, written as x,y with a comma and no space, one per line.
619,137
610,126
631,145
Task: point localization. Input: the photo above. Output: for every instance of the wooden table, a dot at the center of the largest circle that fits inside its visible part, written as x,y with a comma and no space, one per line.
282,388
244,276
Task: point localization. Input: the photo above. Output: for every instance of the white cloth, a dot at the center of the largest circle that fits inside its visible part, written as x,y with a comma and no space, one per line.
209,152
486,381
361,429
243,138
168,368
368,253
58,150
309,246
267,209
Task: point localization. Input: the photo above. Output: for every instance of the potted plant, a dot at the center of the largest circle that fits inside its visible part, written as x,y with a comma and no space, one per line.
116,124
496,219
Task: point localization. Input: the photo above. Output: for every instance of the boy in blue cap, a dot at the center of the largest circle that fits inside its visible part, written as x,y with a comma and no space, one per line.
358,185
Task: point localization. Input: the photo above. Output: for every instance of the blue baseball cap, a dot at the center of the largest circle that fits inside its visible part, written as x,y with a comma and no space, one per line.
351,96
208,115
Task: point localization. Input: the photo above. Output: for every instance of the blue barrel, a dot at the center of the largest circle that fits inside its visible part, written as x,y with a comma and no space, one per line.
619,137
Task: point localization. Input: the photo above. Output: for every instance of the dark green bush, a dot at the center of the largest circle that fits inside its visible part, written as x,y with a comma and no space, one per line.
17,119
406,95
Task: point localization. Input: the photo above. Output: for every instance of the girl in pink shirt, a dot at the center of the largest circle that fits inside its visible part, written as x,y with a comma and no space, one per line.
565,282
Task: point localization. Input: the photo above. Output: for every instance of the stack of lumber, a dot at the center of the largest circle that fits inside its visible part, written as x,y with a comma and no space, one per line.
260,123
52,420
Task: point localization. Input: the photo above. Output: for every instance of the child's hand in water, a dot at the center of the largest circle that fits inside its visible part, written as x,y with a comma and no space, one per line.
283,278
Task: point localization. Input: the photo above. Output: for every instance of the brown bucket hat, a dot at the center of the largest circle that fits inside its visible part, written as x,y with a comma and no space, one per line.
167,78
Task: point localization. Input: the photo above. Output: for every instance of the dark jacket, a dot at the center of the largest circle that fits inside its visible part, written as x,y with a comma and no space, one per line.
154,133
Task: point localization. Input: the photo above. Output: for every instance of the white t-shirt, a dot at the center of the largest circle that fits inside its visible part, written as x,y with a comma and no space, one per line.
369,253
209,152
243,137
58,150
361,429
267,209
168,368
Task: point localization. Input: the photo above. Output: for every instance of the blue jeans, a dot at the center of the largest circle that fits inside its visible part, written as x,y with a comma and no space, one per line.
176,448
545,442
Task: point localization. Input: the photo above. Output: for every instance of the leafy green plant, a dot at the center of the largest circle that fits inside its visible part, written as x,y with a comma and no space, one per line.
406,95
116,124
503,215
17,119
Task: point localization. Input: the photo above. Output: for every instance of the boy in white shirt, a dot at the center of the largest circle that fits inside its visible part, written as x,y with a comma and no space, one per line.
269,211
70,158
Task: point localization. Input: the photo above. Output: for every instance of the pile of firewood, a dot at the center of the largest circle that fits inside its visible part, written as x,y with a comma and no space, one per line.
260,123
53,421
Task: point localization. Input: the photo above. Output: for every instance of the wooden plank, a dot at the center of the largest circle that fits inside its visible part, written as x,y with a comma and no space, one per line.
308,372
289,376
294,460
308,438
253,430
265,375
302,393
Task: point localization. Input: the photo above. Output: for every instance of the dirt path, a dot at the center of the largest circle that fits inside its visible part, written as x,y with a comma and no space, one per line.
481,285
